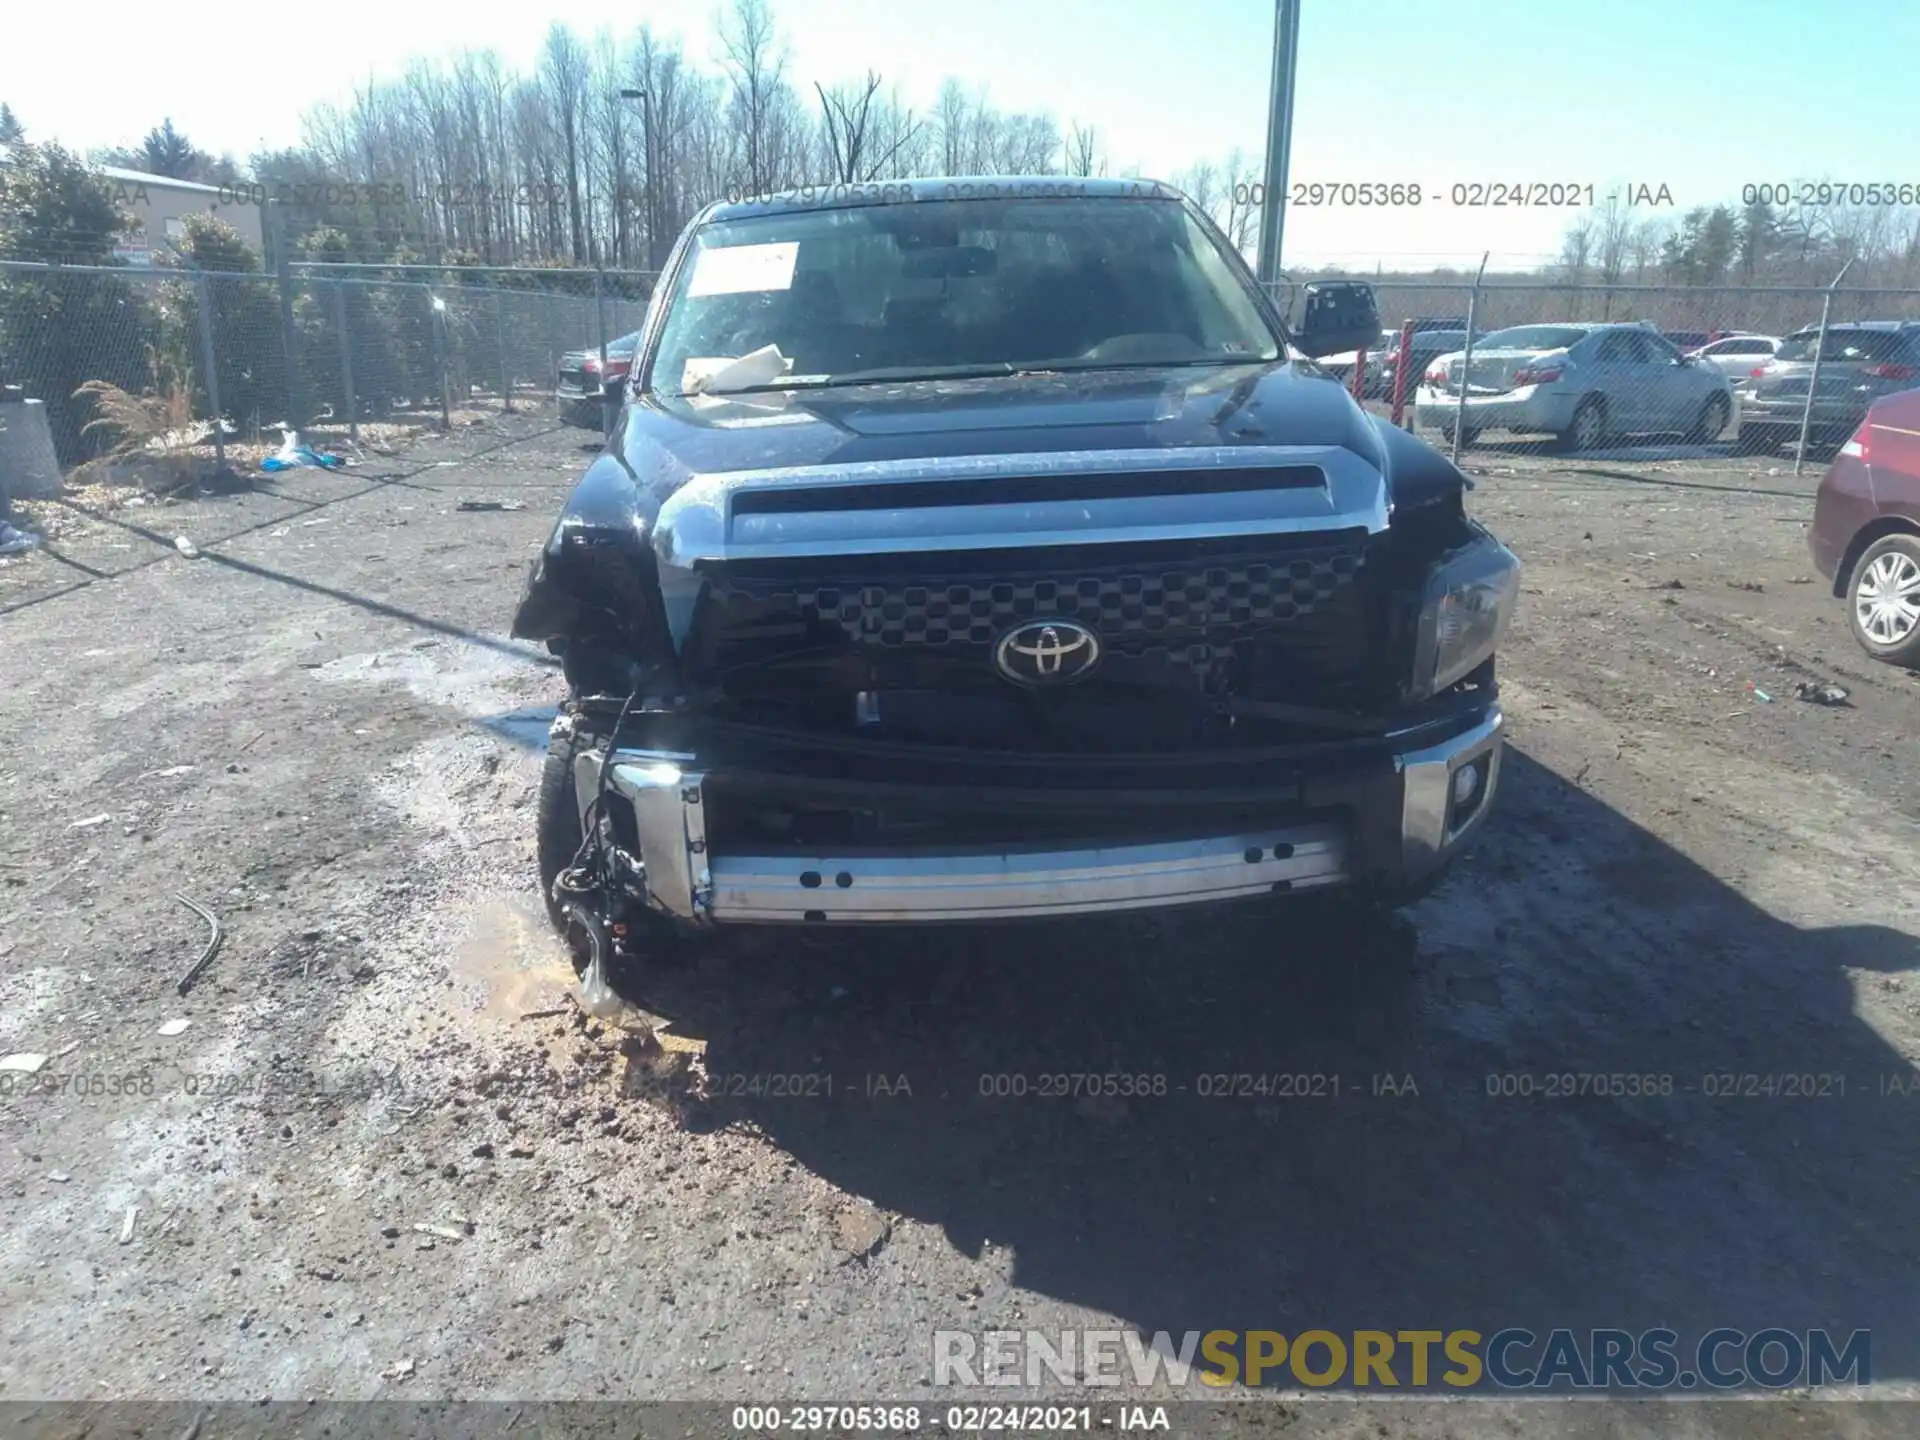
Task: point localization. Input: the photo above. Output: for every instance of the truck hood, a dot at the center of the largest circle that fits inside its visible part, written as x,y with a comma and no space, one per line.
1160,409
1005,461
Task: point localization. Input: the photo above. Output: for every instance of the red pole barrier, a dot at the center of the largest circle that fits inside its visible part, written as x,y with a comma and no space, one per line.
1400,371
1357,382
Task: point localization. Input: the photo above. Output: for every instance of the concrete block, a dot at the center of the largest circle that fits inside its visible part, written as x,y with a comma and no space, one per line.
28,466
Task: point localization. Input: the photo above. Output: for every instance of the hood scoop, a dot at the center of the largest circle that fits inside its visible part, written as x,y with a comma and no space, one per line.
1073,497
1025,490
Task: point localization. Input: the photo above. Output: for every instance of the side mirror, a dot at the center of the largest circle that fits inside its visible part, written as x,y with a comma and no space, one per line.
1338,315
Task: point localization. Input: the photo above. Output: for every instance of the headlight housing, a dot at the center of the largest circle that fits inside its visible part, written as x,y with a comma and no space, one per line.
1463,613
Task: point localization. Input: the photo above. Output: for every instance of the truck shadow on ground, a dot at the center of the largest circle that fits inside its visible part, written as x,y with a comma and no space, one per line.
1393,1182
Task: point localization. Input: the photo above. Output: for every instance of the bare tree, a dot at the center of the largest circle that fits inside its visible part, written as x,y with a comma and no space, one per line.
861,141
566,73
1613,240
1080,149
950,120
1242,220
844,115
901,143
756,65
1201,183
1645,244
672,167
1576,248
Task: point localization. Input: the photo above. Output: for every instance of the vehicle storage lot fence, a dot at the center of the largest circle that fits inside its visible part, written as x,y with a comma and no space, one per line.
346,343
338,344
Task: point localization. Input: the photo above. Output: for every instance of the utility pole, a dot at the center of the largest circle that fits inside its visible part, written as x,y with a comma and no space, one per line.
1273,210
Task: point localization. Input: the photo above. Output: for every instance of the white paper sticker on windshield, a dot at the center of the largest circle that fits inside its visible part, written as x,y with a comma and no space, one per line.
732,269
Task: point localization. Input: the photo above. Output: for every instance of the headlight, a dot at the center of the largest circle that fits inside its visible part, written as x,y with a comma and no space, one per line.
1468,601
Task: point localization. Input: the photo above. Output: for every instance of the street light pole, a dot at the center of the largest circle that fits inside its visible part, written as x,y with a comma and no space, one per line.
645,97
1273,210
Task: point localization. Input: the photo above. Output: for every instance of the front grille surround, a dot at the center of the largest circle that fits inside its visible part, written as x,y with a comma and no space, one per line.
1220,597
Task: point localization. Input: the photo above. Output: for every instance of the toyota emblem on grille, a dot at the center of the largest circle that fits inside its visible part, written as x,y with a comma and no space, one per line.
1047,652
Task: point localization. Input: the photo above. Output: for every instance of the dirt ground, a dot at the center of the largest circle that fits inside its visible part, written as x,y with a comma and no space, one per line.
317,729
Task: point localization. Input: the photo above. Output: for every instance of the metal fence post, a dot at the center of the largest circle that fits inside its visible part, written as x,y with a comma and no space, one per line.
440,357
276,234
1813,380
1404,353
500,345
1466,360
203,295
351,400
600,325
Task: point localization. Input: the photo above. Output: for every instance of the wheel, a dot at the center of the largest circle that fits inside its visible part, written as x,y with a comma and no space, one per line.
1589,425
558,833
1713,418
1883,600
1468,436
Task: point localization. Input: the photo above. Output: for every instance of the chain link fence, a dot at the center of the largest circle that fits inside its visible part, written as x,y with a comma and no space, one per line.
130,357
126,356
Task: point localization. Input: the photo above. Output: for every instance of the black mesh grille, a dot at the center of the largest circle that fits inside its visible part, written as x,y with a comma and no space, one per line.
1135,599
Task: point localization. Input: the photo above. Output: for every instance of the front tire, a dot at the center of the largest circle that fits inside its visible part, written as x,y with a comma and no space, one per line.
557,829
1712,420
1589,426
1883,600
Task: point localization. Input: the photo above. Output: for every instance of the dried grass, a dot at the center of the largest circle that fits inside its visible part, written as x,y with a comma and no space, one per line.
160,419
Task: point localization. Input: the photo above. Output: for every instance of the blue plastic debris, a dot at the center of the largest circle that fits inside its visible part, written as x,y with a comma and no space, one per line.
295,456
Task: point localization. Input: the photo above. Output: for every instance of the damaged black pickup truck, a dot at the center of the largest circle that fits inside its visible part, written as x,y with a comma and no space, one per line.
975,550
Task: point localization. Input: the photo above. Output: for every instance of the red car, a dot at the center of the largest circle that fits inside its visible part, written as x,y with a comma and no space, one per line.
1866,529
581,383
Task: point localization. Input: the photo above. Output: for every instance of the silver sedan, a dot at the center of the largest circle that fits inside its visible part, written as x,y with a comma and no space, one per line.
1585,384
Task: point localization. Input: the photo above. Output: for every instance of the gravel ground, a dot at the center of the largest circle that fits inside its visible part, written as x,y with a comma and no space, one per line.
318,729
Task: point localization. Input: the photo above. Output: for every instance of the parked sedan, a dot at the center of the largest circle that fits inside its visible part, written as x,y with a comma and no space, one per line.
581,381
1866,529
1425,347
1737,356
1861,362
1583,383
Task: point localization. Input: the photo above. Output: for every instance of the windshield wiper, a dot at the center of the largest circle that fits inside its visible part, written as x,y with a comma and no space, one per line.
895,372
982,372
1167,364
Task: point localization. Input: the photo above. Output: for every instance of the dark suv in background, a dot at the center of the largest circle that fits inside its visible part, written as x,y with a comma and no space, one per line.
1863,360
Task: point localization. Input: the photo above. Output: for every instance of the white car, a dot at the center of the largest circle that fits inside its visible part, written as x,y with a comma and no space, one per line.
1342,364
1737,356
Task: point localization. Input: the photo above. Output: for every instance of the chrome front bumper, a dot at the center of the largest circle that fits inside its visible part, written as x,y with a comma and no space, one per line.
684,878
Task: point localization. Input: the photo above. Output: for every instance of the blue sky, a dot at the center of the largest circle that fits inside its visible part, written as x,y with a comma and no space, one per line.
1698,97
